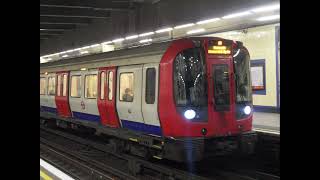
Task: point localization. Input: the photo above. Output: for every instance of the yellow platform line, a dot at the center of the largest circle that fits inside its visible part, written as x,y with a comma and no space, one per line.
45,176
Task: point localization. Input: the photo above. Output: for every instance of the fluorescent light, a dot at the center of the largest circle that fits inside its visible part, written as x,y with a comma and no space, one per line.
83,69
208,21
77,49
146,34
94,45
145,40
184,26
164,30
42,29
84,52
236,15
266,8
49,59
268,18
118,40
196,31
132,37
107,42
65,56
71,50
85,47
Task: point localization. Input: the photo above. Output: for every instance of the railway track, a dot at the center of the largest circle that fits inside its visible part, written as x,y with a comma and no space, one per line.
88,157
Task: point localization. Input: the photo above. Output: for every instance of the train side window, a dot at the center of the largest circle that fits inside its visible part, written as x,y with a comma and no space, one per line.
42,85
150,85
59,85
90,86
102,84
110,84
52,86
64,92
75,86
126,87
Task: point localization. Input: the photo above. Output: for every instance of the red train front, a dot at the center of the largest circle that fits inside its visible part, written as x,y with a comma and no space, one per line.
202,102
206,93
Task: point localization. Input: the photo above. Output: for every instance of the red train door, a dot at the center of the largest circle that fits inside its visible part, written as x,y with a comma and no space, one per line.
62,95
106,100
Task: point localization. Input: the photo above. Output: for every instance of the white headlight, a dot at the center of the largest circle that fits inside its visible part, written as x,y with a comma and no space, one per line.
247,110
189,114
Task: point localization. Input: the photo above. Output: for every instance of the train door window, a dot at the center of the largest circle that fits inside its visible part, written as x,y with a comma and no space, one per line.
102,84
150,85
42,86
110,84
75,86
51,86
64,92
59,85
90,86
126,87
221,87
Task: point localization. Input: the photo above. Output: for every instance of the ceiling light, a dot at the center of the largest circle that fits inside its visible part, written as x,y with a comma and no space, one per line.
268,18
236,15
145,40
184,26
196,31
94,45
118,40
132,37
107,42
164,30
83,69
208,21
65,56
266,8
84,52
146,34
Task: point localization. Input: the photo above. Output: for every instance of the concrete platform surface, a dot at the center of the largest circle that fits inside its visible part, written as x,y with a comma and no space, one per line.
270,121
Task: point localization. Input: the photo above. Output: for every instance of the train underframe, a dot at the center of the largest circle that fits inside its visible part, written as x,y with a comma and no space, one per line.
149,146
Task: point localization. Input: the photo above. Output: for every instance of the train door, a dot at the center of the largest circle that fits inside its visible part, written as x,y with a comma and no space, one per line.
62,97
220,93
43,96
129,83
83,96
150,94
106,96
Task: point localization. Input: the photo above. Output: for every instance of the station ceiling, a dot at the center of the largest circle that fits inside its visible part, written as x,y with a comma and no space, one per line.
66,24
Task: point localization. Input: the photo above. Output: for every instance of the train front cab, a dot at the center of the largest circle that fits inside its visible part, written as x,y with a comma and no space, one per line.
211,93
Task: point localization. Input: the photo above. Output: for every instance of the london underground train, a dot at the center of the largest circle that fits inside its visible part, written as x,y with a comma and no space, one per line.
182,100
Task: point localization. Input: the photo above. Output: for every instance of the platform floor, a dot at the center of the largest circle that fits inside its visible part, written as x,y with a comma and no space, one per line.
270,121
49,172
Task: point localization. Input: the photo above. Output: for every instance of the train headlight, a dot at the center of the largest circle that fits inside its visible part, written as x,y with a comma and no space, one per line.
189,114
247,110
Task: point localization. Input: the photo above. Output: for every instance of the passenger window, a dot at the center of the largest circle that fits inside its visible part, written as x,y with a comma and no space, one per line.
90,86
150,85
64,93
126,87
102,84
51,86
75,86
59,85
110,84
42,86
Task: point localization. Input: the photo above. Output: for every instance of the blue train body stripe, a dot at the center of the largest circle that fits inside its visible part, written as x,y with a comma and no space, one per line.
49,109
85,116
146,128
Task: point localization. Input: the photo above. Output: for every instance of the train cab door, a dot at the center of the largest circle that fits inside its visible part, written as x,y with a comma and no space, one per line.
150,94
129,84
62,94
220,92
106,96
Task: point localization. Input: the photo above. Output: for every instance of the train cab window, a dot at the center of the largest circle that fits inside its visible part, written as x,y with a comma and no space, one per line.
110,84
190,82
150,85
102,84
126,87
90,86
65,80
75,86
51,86
59,85
42,86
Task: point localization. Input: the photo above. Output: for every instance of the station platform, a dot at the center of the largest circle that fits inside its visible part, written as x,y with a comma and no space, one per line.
49,172
266,121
